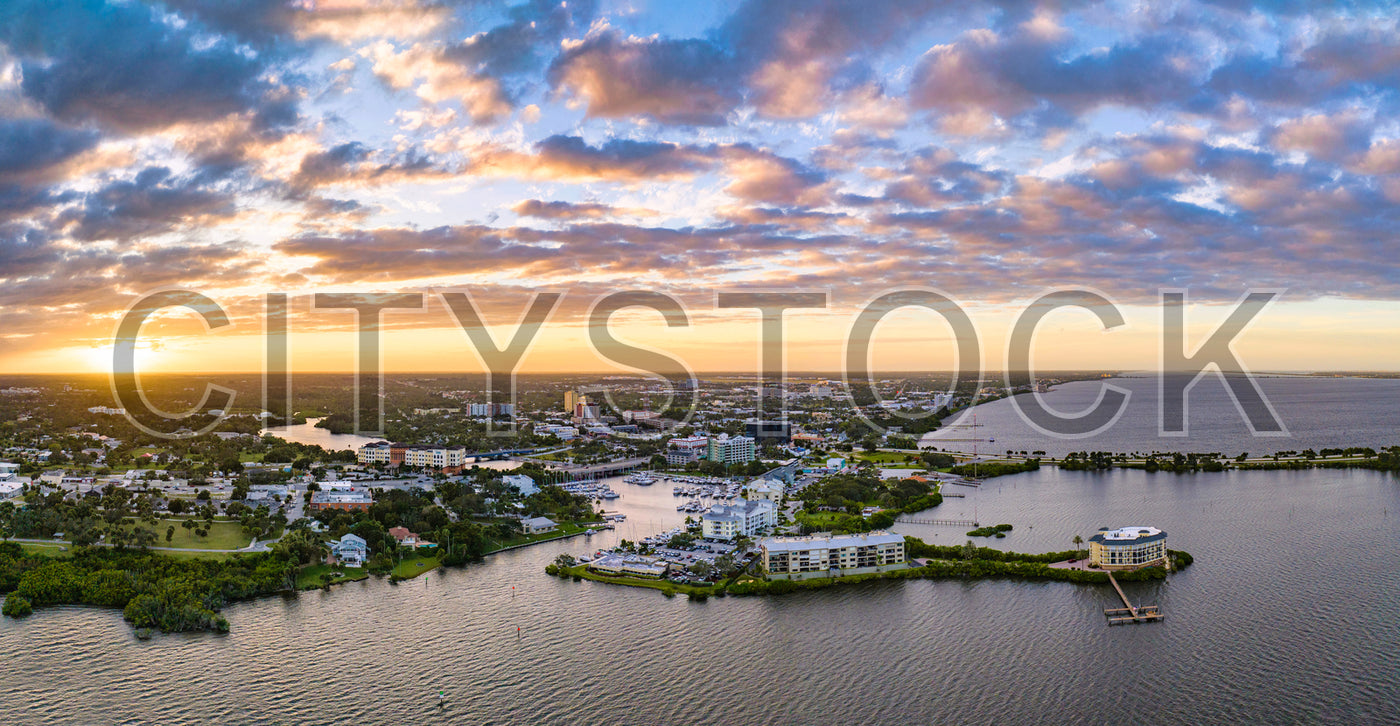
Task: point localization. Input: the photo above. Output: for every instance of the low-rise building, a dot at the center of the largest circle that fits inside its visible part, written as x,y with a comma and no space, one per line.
630,565
351,550
684,449
448,459
1128,548
769,489
349,499
748,517
524,484
538,525
831,554
406,538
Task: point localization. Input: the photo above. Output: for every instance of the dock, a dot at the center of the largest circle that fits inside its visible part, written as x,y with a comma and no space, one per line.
948,522
1130,614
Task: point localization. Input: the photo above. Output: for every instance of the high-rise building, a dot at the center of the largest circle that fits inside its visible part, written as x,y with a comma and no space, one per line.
727,449
763,432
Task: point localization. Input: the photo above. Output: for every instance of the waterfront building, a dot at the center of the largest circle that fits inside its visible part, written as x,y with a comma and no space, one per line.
631,565
351,550
538,525
747,517
684,449
353,499
727,449
1128,548
407,538
768,489
849,554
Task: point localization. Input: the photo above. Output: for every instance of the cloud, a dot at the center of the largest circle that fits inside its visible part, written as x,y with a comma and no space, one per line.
126,67
30,145
985,76
672,81
477,71
576,210
153,202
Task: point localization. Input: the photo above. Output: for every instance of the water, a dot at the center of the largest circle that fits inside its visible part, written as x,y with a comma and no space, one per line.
307,433
1317,412
1286,617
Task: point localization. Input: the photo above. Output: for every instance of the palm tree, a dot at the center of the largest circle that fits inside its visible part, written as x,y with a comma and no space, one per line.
1077,541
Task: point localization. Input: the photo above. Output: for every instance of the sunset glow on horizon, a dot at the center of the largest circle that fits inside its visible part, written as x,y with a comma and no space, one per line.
990,152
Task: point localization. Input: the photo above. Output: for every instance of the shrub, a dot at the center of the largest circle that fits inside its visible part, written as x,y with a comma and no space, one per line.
16,606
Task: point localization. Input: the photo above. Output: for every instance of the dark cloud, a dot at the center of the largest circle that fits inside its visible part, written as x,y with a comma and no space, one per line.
785,59
125,66
28,145
688,81
153,202
620,157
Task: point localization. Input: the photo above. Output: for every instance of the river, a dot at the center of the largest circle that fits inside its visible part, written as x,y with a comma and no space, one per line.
1317,412
1286,617
307,433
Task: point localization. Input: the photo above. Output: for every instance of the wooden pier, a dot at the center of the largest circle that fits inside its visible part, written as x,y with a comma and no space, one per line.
1130,614
949,522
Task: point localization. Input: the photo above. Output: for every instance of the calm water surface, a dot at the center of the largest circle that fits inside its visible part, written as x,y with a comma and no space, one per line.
1317,412
1287,617
307,433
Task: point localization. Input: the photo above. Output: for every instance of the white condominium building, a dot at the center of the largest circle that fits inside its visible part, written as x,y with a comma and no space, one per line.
747,517
731,449
820,553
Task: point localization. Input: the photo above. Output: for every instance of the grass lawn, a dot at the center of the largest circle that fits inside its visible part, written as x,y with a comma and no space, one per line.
885,458
223,535
192,555
310,576
823,519
563,530
413,567
245,457
57,550
51,550
663,585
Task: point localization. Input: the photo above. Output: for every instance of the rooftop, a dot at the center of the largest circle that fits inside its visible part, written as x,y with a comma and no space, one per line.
829,541
1128,535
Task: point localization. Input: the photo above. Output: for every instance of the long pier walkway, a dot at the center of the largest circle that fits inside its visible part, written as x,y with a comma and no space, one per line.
950,522
1130,613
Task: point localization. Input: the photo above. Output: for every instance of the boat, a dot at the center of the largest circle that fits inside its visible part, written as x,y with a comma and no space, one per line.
640,480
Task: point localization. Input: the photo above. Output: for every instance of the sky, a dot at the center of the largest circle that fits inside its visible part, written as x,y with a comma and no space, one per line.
989,151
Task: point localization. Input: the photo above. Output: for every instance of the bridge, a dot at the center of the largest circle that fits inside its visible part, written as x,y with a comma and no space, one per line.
499,454
595,471
946,522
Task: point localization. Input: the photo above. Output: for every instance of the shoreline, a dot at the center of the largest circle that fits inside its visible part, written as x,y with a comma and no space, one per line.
1045,567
